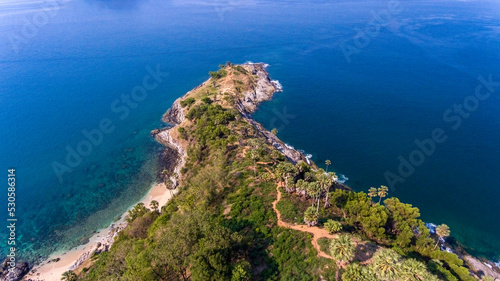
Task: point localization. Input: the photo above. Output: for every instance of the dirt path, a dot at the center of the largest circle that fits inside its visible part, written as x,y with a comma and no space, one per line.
316,232
364,250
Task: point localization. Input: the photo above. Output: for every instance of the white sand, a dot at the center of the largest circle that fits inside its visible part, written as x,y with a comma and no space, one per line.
52,271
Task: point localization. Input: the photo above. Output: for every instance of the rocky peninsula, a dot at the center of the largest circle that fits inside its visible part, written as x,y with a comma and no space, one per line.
229,219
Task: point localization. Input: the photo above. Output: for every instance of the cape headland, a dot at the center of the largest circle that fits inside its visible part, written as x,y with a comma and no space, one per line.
243,205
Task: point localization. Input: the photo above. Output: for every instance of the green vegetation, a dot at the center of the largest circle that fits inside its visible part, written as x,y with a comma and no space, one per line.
328,163
311,216
69,276
207,100
342,250
221,73
187,102
442,231
356,272
333,226
221,224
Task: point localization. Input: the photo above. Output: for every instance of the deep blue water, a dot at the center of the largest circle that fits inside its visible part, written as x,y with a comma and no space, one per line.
62,70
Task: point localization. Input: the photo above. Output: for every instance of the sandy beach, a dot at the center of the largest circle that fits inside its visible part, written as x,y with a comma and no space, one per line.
50,270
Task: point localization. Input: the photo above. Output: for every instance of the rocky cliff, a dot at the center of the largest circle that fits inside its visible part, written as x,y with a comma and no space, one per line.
261,88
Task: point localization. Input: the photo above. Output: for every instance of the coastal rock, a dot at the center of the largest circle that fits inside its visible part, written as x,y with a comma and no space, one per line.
482,268
174,114
154,132
177,154
264,89
21,269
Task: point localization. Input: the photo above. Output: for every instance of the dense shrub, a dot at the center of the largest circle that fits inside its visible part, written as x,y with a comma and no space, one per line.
218,74
187,102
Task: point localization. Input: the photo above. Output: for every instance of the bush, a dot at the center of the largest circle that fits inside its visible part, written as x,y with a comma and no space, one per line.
242,271
449,258
207,100
333,226
183,133
240,69
462,273
218,74
187,102
289,211
440,271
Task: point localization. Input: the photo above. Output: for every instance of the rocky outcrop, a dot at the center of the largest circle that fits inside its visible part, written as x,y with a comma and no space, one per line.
262,91
101,247
21,269
174,114
173,157
173,152
293,155
481,269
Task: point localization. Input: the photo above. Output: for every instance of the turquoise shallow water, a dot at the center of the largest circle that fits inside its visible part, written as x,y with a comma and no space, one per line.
65,75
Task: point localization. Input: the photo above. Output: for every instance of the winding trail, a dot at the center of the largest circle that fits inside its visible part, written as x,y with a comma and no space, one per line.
316,232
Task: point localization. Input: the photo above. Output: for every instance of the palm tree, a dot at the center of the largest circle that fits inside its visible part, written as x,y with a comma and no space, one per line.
332,179
382,192
311,217
254,154
290,185
442,231
300,187
385,264
69,276
275,155
308,176
314,191
154,205
327,163
372,192
169,185
342,250
168,182
356,272
286,171
413,270
324,181
255,149
333,226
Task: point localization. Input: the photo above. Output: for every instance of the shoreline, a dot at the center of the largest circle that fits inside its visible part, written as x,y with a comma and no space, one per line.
59,262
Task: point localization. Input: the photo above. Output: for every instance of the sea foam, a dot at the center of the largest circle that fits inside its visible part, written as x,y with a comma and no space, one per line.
277,85
342,178
431,227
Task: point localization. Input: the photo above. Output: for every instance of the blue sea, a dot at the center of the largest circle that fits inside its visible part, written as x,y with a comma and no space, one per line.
398,93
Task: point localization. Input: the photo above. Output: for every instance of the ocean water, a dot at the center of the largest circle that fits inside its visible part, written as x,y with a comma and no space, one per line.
363,82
